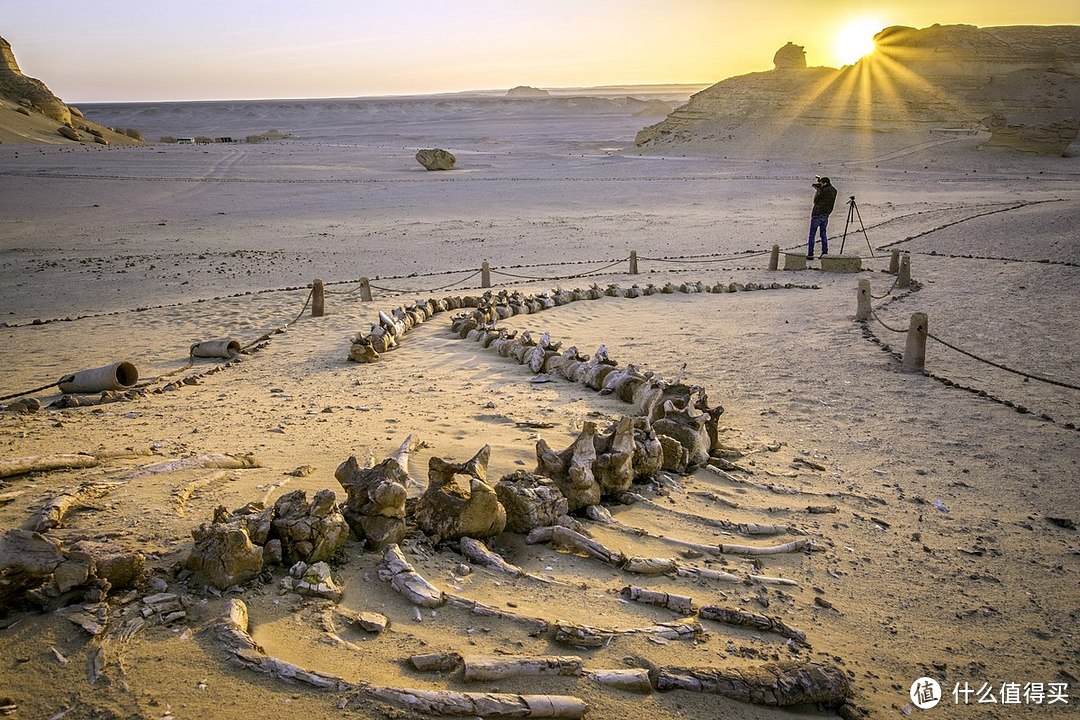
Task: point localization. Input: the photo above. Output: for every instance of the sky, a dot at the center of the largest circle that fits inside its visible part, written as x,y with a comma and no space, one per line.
154,50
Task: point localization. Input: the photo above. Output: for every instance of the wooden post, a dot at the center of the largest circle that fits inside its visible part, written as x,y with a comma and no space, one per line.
365,289
633,262
485,275
915,350
318,299
863,308
903,278
774,258
894,262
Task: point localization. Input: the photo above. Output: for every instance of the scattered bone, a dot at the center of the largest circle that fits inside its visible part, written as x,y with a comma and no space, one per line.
91,618
741,618
372,622
485,705
46,463
232,627
773,684
95,665
436,662
255,660
567,539
220,461
52,514
183,493
631,680
498,667
458,501
585,636
396,570
788,547
747,529
479,553
713,497
533,626
676,603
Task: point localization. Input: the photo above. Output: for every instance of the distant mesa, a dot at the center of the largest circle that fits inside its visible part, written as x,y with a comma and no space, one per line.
790,57
436,159
35,112
654,108
917,84
525,91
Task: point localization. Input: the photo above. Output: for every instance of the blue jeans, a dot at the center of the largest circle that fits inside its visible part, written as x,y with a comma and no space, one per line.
818,221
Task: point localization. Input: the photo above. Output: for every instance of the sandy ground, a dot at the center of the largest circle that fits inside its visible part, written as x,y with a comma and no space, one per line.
156,248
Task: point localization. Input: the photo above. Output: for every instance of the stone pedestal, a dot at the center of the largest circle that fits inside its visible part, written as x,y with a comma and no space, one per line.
841,263
794,261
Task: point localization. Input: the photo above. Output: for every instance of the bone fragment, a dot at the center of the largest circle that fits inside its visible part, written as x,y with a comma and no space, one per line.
46,463
676,603
405,580
742,618
498,667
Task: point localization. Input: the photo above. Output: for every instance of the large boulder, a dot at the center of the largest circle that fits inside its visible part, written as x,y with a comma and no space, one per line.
435,159
790,57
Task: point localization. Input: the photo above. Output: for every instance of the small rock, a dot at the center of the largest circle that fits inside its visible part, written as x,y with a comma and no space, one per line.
372,622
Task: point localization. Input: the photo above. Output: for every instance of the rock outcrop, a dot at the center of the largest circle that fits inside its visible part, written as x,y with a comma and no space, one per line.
17,87
790,57
918,81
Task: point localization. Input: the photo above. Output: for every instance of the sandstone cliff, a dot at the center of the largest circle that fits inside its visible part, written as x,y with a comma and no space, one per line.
31,113
918,84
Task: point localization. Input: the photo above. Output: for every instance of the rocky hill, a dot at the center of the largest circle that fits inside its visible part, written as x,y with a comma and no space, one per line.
1013,86
31,113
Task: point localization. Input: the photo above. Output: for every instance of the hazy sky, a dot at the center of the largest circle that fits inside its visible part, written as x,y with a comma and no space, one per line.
229,49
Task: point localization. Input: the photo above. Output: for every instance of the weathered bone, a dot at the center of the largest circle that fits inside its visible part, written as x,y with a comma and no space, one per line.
741,618
572,469
308,532
630,680
404,579
676,603
375,504
223,555
449,510
486,705
46,463
498,667
773,684
530,500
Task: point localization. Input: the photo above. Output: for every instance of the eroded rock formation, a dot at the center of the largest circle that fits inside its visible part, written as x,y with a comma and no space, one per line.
917,82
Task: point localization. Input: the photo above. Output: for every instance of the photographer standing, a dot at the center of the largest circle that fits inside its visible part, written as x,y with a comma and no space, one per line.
824,199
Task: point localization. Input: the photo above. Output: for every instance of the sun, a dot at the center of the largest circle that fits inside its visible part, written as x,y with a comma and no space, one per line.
855,39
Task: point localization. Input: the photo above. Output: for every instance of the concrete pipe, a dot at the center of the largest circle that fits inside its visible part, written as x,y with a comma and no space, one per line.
226,348
118,376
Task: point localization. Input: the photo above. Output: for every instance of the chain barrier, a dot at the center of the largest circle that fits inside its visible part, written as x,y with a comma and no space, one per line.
562,277
999,366
431,290
887,292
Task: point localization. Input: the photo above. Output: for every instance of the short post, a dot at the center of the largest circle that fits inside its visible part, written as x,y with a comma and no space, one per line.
633,262
862,311
774,258
915,350
894,261
485,275
365,289
318,299
903,278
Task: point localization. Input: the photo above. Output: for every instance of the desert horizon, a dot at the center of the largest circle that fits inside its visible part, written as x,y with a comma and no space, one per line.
294,425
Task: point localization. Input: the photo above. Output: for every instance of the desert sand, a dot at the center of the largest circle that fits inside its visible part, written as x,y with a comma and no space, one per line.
939,559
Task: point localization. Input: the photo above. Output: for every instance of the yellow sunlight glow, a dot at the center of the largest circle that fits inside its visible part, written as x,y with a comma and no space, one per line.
855,39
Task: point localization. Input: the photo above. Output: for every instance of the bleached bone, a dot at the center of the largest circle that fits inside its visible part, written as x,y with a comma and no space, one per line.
10,467
498,667
404,579
676,603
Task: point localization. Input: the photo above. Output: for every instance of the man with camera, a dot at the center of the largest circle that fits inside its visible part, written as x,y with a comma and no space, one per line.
824,199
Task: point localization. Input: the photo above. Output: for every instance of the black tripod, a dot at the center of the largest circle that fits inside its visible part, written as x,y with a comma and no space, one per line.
852,214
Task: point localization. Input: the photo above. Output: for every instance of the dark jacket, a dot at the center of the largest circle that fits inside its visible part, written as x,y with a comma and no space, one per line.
824,199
